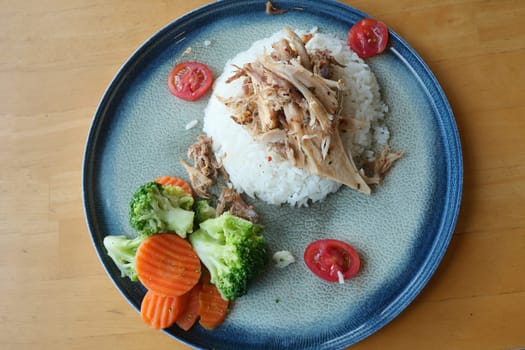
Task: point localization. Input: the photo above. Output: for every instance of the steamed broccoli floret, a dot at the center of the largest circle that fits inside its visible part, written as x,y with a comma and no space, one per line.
156,208
203,210
122,250
233,251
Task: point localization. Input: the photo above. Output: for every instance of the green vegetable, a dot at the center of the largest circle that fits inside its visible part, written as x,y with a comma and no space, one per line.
203,210
122,250
156,208
232,250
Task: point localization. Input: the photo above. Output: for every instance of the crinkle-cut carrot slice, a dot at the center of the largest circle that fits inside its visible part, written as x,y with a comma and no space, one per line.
190,312
167,265
175,181
213,308
160,311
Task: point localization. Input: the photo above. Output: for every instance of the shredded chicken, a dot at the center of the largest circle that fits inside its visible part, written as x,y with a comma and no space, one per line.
322,62
231,201
206,168
203,157
381,165
199,182
292,104
271,10
205,173
298,44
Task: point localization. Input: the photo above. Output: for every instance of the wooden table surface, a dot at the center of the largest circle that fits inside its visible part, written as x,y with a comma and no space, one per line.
58,56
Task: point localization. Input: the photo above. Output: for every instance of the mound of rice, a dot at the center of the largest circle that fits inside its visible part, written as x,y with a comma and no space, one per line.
262,174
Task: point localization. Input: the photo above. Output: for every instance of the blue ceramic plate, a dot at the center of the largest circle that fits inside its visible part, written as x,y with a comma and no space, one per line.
401,231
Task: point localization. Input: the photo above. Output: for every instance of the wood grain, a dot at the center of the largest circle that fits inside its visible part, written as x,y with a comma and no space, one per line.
56,59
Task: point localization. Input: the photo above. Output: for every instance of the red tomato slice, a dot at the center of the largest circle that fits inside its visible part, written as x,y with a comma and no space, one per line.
368,37
190,80
327,257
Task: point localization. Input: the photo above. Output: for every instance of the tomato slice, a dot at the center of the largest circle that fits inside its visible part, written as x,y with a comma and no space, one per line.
368,37
190,80
332,260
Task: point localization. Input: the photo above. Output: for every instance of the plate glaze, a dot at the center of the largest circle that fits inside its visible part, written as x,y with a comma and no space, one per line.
401,231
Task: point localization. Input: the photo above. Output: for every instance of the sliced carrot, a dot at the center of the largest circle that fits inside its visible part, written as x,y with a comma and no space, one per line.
175,181
213,308
190,312
167,265
161,311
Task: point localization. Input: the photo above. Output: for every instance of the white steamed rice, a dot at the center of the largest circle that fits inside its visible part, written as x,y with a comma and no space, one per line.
276,181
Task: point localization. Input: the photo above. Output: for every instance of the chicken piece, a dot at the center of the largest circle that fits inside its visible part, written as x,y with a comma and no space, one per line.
199,182
206,168
203,158
381,165
271,10
299,47
352,124
320,87
283,51
267,112
307,37
333,163
321,100
322,62
272,136
231,201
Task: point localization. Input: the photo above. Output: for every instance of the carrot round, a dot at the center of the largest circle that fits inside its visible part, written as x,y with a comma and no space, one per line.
167,265
190,312
213,308
161,311
175,181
